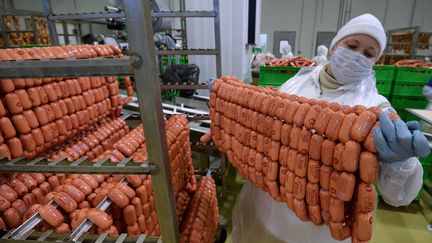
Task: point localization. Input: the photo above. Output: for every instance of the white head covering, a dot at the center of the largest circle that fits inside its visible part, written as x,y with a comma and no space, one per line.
364,24
322,50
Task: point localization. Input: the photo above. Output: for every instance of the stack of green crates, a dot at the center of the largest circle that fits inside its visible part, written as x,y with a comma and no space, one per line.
408,89
165,61
384,75
275,76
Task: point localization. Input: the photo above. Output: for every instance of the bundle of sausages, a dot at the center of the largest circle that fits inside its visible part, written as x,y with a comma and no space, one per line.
42,115
413,63
133,209
59,52
296,61
131,145
92,142
201,221
316,156
38,113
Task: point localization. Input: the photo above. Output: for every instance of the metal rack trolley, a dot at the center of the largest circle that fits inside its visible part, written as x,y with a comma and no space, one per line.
142,64
5,33
413,44
51,17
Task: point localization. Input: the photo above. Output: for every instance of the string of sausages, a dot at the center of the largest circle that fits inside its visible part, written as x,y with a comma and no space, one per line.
133,209
316,156
296,61
92,142
39,113
201,220
413,63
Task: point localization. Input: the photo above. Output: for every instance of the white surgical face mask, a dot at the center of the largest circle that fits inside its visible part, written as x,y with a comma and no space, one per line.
350,66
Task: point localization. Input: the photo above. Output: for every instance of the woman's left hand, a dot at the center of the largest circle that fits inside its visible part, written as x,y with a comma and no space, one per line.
398,141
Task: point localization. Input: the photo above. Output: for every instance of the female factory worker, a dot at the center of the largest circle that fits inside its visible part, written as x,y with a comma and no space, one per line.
347,79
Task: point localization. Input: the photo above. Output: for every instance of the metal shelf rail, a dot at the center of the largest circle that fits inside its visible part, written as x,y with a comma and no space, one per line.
137,16
51,17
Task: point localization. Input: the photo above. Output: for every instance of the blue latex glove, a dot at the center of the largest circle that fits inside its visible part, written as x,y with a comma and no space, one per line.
211,82
398,141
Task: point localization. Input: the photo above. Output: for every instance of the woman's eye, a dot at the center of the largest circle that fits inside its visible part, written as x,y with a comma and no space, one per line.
352,47
367,54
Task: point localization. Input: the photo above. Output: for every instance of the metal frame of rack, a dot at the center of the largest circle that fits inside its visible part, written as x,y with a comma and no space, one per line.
5,33
415,31
32,14
51,17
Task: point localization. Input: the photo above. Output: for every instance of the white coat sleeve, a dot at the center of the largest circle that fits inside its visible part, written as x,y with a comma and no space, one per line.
400,182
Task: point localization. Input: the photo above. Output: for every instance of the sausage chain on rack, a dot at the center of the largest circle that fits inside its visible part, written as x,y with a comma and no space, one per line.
133,210
316,156
39,113
201,221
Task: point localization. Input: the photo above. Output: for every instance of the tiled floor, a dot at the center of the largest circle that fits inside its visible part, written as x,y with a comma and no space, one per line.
400,225
391,225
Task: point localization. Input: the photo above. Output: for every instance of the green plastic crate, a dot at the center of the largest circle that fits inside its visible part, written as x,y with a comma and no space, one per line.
405,115
408,102
384,88
413,75
384,72
408,89
276,76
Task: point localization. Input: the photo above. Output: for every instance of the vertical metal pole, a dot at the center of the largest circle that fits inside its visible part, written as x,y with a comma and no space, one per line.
217,38
150,104
183,25
65,33
46,4
3,30
34,28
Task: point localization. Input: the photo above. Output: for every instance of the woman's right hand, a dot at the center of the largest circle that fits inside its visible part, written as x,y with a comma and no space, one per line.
398,141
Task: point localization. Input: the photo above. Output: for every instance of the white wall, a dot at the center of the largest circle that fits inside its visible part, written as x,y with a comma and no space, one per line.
322,15
233,26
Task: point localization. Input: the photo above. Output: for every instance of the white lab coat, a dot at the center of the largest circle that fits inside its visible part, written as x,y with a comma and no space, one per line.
259,218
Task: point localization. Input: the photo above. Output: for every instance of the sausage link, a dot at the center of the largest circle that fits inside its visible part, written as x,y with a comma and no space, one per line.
313,171
8,193
12,218
118,197
300,209
350,156
337,210
325,172
129,215
322,120
100,218
363,125
327,150
82,186
65,201
51,215
74,193
366,197
315,214
311,117
337,157
4,204
369,168
334,125
345,130
312,193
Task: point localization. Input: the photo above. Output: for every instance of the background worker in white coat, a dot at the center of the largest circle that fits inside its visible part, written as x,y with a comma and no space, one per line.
321,57
347,79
